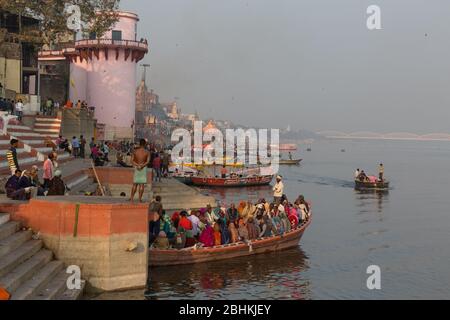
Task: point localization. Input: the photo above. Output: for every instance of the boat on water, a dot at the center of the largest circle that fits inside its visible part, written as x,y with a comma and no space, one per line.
372,185
257,180
169,257
290,161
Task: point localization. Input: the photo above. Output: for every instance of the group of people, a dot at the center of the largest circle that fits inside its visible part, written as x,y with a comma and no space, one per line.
12,107
360,175
25,184
77,146
210,227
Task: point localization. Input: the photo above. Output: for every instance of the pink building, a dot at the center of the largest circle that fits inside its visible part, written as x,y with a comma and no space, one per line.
103,73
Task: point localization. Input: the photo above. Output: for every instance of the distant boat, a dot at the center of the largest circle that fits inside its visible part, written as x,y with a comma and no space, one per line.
309,149
342,150
372,185
290,161
258,180
288,147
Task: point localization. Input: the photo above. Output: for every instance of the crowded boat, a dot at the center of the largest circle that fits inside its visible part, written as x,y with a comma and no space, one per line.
209,227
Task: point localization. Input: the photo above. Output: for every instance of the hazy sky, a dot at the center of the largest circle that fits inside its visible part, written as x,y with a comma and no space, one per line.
312,64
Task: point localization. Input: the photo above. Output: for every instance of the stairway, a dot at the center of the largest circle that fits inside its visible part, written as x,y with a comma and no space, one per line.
28,271
48,126
35,141
178,196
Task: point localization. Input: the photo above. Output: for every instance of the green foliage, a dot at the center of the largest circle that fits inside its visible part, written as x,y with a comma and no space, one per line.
96,15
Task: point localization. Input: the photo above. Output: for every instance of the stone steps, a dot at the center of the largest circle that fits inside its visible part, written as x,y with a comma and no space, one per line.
14,241
27,269
12,260
38,282
8,228
23,272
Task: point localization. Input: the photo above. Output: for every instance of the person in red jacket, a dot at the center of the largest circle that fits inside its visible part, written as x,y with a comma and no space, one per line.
157,167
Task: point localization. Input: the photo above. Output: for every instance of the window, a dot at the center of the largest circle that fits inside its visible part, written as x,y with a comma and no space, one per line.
116,35
92,36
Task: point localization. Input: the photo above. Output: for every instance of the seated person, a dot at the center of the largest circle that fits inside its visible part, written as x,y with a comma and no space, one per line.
13,190
120,161
57,187
35,180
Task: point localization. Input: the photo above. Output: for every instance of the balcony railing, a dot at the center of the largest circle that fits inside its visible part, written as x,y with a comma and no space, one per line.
111,43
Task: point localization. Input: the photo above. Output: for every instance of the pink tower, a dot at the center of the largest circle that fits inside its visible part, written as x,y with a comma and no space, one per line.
103,73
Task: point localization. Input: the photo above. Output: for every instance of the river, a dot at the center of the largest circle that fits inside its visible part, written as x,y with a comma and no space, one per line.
406,232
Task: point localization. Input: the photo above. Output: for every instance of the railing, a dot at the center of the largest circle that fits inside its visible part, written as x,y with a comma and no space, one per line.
111,42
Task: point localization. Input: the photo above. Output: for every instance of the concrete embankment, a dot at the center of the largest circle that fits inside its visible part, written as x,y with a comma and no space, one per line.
178,196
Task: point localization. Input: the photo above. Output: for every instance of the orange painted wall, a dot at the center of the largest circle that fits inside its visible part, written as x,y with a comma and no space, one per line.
58,218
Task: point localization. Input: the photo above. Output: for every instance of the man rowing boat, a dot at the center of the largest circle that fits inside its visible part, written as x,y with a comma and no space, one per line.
140,160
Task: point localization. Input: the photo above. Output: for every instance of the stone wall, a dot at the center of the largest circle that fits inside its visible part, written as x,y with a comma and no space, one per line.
106,238
76,122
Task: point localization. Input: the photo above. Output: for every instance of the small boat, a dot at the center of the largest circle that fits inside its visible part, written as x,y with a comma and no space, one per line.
342,150
169,257
371,185
286,147
257,180
309,149
290,161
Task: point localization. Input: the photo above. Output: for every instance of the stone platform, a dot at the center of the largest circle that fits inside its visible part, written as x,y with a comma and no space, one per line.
106,237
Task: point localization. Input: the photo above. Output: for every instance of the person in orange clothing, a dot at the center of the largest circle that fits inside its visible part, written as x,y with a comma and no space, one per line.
4,295
217,235
69,104
185,223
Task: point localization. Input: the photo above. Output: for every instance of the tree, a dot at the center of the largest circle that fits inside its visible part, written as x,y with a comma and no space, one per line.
95,15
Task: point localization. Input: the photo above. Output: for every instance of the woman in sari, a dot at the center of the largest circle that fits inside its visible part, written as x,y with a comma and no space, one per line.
207,236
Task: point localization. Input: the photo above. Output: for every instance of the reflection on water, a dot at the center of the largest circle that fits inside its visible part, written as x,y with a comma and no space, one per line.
277,275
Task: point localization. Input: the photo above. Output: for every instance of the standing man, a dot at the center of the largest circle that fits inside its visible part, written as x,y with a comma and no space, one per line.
11,155
278,190
19,110
140,160
357,173
105,151
381,172
91,145
75,146
49,168
82,146
157,167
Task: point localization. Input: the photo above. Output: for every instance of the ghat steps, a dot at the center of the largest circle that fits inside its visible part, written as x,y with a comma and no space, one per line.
28,271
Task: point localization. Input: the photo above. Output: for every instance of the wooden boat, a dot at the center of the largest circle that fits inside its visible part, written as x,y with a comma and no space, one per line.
290,161
288,147
367,185
192,255
232,182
